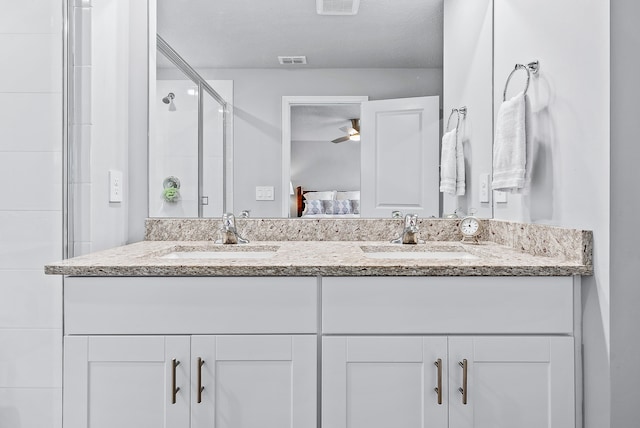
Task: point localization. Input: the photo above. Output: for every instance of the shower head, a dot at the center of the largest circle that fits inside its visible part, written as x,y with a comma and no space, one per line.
168,98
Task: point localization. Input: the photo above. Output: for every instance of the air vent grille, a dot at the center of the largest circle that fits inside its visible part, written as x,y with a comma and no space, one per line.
292,60
337,7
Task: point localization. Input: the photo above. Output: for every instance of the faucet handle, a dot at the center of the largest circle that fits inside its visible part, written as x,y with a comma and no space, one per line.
396,214
228,220
411,220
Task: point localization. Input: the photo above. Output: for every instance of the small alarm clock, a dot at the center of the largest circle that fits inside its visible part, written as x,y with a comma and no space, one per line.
470,227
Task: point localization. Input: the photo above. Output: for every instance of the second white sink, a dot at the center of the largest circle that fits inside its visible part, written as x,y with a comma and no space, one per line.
422,255
417,252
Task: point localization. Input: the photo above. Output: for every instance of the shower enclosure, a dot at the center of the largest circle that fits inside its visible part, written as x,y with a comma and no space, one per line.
189,151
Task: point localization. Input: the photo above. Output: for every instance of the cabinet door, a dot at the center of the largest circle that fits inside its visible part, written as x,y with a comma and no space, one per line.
382,382
524,382
254,381
126,382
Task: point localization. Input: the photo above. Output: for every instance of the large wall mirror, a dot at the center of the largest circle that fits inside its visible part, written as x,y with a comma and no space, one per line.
223,72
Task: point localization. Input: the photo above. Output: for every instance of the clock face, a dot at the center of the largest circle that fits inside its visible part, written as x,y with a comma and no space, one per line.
469,226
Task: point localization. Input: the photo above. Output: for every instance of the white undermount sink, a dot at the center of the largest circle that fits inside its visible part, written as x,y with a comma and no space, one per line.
221,253
410,252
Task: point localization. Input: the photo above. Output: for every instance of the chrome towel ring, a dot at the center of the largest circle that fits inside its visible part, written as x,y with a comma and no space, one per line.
531,68
462,111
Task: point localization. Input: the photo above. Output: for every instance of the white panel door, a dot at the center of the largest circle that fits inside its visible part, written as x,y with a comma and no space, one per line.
524,382
126,382
382,382
254,381
400,156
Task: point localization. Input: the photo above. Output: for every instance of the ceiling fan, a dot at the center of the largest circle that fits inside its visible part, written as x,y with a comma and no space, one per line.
353,132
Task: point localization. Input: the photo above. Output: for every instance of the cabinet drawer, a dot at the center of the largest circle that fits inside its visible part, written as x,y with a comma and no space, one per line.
447,305
211,305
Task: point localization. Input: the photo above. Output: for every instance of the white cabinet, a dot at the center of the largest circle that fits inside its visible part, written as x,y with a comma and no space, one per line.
524,382
198,381
514,335
125,382
381,382
248,352
377,382
255,382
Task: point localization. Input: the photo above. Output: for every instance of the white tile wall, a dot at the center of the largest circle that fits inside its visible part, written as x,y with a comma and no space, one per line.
34,180
31,358
17,128
82,212
81,154
30,213
30,238
31,16
82,95
31,62
82,44
30,299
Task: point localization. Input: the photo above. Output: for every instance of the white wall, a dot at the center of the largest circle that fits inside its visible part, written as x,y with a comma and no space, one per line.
322,165
468,81
30,213
625,206
569,131
257,114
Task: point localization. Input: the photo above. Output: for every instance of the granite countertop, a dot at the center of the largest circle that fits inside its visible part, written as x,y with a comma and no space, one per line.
326,258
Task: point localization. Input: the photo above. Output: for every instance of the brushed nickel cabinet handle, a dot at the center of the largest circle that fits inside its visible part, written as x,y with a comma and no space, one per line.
463,390
438,388
200,387
174,390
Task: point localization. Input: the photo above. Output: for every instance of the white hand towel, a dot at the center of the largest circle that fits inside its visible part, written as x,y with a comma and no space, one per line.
509,147
448,163
460,179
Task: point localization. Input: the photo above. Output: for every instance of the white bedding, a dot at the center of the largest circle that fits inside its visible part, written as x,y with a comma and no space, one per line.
330,216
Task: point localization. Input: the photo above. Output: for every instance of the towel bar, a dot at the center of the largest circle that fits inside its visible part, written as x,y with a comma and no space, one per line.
461,111
530,68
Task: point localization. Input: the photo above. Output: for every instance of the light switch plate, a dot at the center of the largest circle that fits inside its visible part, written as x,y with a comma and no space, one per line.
264,193
484,188
115,185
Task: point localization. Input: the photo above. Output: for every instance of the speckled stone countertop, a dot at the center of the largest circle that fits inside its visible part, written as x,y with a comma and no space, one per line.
543,251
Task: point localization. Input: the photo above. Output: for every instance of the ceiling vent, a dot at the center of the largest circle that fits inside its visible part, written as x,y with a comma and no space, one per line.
337,7
292,60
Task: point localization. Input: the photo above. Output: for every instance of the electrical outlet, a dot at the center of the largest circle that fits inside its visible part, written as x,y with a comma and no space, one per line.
115,185
264,193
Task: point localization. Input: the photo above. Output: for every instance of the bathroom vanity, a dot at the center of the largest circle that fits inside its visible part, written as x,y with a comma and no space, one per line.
327,333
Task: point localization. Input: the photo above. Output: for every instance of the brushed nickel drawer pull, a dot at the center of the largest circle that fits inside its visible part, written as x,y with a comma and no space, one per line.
174,390
463,390
200,387
438,388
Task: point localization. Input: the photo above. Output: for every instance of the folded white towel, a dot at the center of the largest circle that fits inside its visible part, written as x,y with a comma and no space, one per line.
448,161
509,147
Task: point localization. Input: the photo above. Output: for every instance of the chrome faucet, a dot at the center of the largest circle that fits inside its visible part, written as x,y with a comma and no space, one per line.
229,232
410,232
